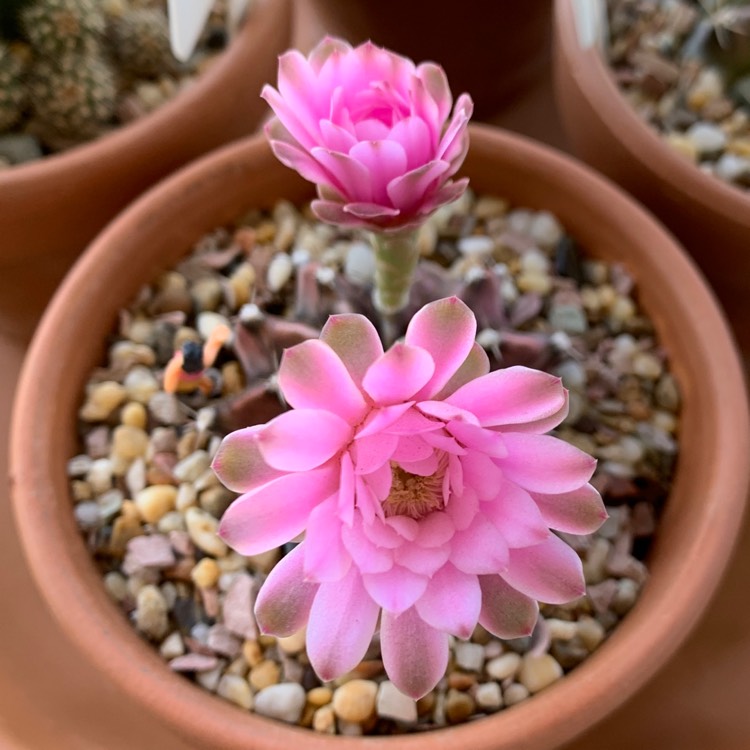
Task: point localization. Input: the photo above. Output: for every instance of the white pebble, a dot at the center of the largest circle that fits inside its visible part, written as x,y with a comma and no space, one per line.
191,467
545,229
359,266
208,322
707,137
477,245
515,693
280,271
489,696
731,167
235,689
99,475
504,666
284,702
538,672
470,656
393,704
203,528
172,646
534,262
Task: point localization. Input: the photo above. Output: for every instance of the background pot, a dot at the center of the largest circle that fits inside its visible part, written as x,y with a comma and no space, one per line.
493,50
696,532
710,217
50,209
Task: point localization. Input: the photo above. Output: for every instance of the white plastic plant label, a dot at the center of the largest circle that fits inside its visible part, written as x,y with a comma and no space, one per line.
591,22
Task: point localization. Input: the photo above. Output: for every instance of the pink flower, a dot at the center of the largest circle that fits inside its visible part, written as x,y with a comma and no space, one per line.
369,128
426,490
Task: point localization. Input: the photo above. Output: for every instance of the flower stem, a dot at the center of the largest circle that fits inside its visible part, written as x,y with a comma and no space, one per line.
396,257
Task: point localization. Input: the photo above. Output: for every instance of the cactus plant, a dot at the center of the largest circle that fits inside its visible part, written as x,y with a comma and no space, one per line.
73,96
140,38
12,92
57,27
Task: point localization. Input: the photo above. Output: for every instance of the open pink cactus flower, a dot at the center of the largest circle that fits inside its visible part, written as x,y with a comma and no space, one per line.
426,490
371,130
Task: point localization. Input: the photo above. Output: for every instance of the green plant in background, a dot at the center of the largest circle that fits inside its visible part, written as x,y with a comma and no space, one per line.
140,41
56,27
12,92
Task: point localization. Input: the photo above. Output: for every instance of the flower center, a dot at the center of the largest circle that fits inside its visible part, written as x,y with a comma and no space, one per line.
413,495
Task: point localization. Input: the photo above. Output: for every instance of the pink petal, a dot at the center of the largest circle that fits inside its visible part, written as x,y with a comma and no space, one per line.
511,396
462,509
350,173
578,512
482,475
423,468
381,419
443,442
542,463
436,83
368,556
368,505
450,192
545,424
516,516
446,330
413,423
423,105
324,49
334,213
424,561
373,451
398,374
435,530
396,589
476,364
407,527
276,512
414,135
302,162
411,449
414,670
370,129
478,438
302,439
298,85
407,191
479,549
239,464
294,122
454,143
384,160
451,602
341,626
506,613
346,490
550,572
379,481
311,376
371,211
382,535
283,603
326,558
336,138
445,412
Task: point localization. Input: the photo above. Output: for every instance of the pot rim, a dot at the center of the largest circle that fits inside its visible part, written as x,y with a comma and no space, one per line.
644,144
73,589
119,140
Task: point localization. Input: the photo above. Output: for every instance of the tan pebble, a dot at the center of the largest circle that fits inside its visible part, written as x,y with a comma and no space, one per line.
155,501
151,612
186,497
279,272
561,630
490,207
458,706
534,282
172,646
232,378
207,293
503,667
538,672
252,652
102,400
740,146
515,693
116,585
607,296
319,696
208,322
489,696
81,490
235,689
129,443
215,500
427,238
647,366
206,573
140,384
594,570
267,640
265,561
626,596
134,415
239,667
355,701
192,466
426,704
184,335
124,529
293,644
324,720
264,674
203,529
241,283
683,145
233,562
461,681
172,521
622,309
591,632
481,636
124,354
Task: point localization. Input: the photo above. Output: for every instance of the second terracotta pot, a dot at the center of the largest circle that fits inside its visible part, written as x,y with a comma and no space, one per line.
696,531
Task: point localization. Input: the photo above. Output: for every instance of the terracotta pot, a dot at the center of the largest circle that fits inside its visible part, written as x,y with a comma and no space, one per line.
493,50
711,218
696,532
50,209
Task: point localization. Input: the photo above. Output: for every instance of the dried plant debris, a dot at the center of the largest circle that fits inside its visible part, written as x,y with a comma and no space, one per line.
684,65
149,504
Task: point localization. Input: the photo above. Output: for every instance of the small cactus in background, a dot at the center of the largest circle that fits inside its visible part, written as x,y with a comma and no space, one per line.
74,96
57,27
140,41
12,93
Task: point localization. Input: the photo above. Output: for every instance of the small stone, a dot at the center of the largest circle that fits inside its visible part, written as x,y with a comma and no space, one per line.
252,652
469,656
203,529
140,384
155,501
236,690
221,641
209,679
79,466
319,696
391,703
208,322
534,282
625,596
128,443
293,644
150,551
538,672
534,262
561,630
515,693
591,632
238,607
151,612
116,585
206,573
489,696
194,663
264,674
284,702
134,415
171,522
647,365
87,515
458,706
279,272
707,137
207,293
476,245
732,168
102,399
683,145
569,318
545,229
190,468
355,700
359,265
504,667
215,500
172,646
166,409
19,148
324,720
99,476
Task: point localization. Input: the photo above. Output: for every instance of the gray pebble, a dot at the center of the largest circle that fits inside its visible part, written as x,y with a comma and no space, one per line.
284,702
